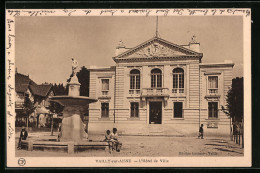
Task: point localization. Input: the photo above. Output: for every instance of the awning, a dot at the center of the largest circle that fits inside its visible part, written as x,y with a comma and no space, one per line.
42,110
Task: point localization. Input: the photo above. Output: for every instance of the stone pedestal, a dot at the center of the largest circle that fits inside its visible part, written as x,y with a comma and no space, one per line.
72,127
75,106
74,87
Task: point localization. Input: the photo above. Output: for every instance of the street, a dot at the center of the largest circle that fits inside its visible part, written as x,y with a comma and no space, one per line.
150,146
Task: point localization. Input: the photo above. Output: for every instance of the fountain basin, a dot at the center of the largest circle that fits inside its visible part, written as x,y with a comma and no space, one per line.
73,100
72,128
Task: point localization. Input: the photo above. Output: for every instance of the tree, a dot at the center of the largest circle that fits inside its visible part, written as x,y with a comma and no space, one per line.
55,108
234,108
59,89
235,101
28,107
83,78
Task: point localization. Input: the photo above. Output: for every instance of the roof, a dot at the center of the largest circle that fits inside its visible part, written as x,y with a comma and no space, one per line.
184,52
23,82
220,64
111,68
42,110
41,90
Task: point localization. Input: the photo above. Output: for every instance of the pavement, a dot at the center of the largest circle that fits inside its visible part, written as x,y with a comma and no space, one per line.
149,146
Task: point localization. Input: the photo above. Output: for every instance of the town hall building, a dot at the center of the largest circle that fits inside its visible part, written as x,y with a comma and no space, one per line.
160,88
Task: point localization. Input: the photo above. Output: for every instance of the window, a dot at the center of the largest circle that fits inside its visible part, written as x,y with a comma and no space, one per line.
177,109
213,109
156,78
105,86
104,110
178,80
134,110
134,79
213,84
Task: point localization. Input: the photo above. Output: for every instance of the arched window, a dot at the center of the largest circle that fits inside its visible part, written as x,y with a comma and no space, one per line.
178,80
134,79
156,78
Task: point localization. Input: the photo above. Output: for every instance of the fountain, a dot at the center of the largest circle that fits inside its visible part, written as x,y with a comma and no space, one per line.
72,128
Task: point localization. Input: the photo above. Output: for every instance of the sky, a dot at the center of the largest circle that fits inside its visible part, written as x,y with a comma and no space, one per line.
44,46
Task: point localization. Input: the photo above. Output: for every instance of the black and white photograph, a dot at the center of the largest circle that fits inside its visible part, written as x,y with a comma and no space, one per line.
128,89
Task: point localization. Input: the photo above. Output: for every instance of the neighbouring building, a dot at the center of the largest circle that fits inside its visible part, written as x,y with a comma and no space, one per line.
39,96
159,87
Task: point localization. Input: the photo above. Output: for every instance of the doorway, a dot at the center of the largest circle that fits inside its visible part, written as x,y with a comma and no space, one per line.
155,116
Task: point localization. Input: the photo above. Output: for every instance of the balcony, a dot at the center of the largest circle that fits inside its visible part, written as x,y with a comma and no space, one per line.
178,90
137,92
155,92
213,91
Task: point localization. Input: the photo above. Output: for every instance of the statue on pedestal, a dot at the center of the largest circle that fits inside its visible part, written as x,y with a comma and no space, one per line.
74,66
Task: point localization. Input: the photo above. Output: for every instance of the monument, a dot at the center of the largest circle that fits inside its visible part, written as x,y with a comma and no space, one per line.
75,106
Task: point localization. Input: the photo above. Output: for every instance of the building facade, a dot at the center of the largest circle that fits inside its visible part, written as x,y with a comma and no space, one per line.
160,88
39,97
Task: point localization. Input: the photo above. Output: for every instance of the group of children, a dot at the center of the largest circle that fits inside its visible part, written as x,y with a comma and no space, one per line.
112,139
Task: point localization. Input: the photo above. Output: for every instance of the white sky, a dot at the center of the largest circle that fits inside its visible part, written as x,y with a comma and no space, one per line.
45,45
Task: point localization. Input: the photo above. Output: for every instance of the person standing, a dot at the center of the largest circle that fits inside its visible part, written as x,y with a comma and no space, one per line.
201,131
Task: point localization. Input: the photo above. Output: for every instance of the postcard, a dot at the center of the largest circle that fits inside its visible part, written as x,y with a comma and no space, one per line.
128,87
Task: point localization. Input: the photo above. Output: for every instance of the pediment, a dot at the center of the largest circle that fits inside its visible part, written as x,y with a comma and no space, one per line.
156,48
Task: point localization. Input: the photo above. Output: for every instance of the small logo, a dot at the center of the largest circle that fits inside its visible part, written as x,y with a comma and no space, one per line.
21,162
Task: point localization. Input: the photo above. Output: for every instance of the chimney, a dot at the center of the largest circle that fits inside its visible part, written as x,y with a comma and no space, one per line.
194,44
120,48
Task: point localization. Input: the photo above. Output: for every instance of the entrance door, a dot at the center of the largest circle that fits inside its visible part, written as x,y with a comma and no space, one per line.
155,113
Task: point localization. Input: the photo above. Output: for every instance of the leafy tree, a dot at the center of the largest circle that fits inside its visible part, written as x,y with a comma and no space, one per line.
28,107
54,108
235,101
83,78
59,89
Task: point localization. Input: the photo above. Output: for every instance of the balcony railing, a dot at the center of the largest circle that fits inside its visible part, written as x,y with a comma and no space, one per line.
134,92
104,94
178,90
213,91
155,92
